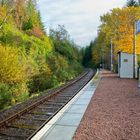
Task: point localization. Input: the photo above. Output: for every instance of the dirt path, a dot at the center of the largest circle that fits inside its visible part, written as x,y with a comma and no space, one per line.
113,113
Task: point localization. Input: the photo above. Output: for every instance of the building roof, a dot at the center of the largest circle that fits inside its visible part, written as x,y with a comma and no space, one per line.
127,52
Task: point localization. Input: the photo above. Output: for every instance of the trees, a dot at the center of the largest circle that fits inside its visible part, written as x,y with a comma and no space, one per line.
31,61
11,69
33,22
5,95
132,3
12,75
139,2
67,53
25,15
62,42
20,15
87,59
117,26
5,12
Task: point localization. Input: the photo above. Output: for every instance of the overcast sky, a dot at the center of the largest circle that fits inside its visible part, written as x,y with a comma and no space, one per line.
80,17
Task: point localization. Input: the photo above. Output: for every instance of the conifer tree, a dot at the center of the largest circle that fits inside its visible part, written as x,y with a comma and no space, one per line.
132,3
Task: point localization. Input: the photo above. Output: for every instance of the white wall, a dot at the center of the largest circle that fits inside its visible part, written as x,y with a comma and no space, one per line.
126,66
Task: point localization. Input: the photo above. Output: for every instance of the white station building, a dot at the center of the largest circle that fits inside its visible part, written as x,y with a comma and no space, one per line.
126,65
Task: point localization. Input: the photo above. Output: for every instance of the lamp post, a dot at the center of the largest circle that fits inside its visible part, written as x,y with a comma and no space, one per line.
103,60
136,29
111,61
134,50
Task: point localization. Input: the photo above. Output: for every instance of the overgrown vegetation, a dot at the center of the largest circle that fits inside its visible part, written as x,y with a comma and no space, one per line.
30,60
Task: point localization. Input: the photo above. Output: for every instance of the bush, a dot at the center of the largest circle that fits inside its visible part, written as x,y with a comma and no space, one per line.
30,61
12,75
12,68
27,25
59,66
37,32
41,81
19,93
5,95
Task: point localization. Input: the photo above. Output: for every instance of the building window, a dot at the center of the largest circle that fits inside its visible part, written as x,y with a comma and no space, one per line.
125,60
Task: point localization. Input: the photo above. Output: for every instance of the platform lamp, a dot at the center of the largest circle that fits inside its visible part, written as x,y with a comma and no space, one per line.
111,61
136,28
137,25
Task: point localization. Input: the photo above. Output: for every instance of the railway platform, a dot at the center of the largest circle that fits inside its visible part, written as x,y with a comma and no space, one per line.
64,124
114,111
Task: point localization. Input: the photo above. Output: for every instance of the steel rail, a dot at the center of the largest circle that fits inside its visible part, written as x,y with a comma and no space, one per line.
19,114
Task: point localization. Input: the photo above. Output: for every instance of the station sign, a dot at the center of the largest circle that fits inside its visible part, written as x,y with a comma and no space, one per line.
138,26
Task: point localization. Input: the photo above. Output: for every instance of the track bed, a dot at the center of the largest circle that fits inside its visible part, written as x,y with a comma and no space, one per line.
30,119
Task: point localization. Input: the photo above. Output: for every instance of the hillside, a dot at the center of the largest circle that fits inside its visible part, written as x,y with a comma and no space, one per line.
30,60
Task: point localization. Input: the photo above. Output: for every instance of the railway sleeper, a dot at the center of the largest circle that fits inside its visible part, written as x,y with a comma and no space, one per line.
35,118
51,106
63,96
48,107
46,110
16,132
70,92
54,104
24,126
2,134
40,119
59,101
42,113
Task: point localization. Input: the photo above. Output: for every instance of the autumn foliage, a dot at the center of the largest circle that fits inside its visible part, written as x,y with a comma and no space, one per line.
117,26
30,60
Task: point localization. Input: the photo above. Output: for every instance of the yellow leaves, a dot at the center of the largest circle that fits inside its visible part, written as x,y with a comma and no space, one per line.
11,68
44,68
2,12
31,67
19,92
96,56
12,73
119,26
63,62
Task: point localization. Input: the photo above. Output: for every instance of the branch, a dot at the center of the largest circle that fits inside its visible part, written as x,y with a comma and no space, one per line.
4,20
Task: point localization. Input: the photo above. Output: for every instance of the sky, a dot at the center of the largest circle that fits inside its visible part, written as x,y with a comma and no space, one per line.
81,18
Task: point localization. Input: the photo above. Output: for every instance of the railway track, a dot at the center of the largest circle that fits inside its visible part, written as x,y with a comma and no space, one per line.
28,121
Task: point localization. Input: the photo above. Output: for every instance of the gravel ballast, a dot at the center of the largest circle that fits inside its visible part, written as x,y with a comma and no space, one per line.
114,111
